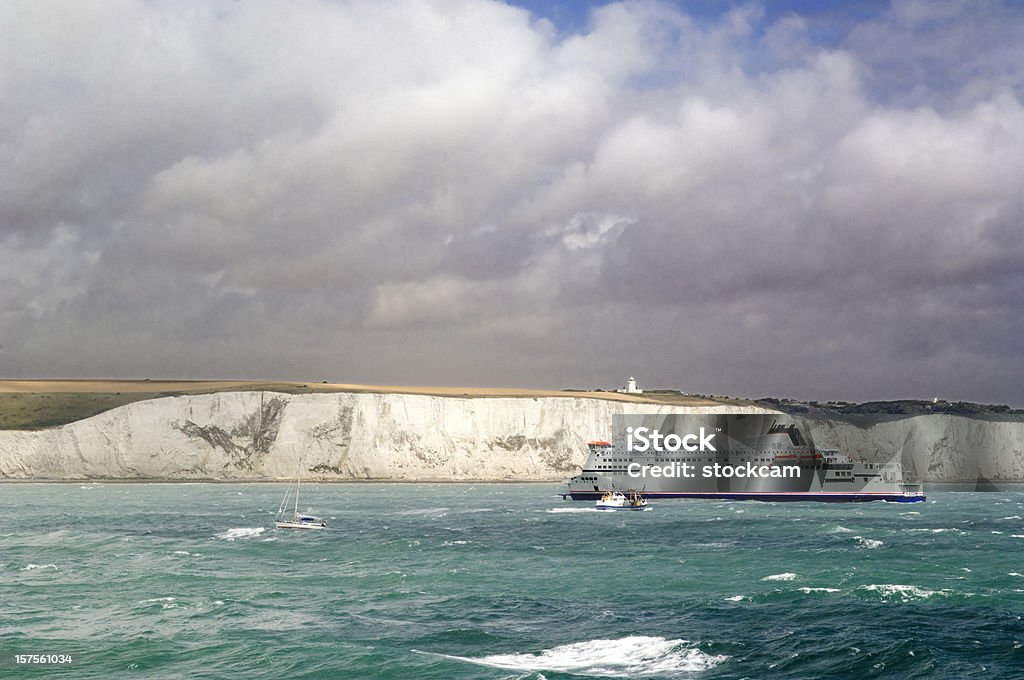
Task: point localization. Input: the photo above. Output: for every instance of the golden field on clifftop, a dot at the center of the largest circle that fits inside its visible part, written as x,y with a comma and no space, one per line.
35,404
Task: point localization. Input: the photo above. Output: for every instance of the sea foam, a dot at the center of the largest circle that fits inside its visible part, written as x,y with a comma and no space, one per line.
629,657
868,542
818,590
241,532
788,576
903,593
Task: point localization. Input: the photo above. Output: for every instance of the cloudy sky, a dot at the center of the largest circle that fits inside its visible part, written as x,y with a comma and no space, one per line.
794,199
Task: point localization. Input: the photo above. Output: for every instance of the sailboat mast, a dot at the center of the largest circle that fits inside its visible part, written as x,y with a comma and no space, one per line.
298,480
284,501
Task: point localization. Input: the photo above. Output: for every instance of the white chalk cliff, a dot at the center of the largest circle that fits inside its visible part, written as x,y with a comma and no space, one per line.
367,436
336,436
939,447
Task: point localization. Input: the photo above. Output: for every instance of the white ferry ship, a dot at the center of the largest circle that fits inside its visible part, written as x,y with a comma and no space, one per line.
753,457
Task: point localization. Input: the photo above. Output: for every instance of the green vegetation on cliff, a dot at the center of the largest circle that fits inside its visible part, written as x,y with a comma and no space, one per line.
902,408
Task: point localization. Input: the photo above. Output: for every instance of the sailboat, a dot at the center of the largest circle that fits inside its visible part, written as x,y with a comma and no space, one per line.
296,521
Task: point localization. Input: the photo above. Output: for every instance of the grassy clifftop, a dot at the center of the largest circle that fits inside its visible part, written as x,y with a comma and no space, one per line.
38,404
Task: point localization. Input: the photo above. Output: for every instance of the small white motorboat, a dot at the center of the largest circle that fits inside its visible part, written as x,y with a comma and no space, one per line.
616,500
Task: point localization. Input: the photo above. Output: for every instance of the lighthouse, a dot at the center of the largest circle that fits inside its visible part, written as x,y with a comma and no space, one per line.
630,387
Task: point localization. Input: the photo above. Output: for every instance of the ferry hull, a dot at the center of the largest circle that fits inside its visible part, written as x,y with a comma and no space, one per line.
819,497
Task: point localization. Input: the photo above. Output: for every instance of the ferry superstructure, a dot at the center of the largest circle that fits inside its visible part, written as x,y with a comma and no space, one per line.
744,443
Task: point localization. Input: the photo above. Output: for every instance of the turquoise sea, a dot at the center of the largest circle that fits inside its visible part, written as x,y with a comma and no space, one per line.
504,581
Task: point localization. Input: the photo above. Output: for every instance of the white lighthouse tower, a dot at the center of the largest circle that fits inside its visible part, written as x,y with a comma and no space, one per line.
630,387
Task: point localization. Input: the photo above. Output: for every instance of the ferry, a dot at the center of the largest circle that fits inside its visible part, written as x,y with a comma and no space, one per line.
762,457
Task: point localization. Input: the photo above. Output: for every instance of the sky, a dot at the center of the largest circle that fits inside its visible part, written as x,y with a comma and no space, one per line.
819,200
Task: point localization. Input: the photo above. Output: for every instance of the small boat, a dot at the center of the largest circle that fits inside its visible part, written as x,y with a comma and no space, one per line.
296,521
616,500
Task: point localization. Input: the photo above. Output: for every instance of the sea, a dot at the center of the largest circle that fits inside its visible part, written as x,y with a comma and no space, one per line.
503,581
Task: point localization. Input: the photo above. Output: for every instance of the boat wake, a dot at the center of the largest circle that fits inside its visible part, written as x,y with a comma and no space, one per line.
629,657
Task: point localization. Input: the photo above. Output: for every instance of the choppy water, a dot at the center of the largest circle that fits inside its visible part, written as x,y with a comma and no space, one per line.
505,581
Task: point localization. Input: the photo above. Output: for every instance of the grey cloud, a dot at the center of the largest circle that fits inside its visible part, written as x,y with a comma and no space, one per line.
453,192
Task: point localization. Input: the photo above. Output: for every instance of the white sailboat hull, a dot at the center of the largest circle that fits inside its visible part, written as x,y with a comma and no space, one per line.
288,524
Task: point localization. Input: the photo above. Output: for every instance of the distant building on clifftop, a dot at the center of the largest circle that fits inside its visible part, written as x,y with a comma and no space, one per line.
630,387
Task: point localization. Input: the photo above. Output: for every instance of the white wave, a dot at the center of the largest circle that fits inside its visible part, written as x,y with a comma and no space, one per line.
903,593
182,552
869,542
939,531
841,530
241,532
1015,573
819,590
1013,517
32,567
788,576
629,657
910,512
561,511
450,543
1016,535
438,512
164,602
736,598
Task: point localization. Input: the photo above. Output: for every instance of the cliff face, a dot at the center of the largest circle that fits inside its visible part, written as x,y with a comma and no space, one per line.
346,436
940,448
337,436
